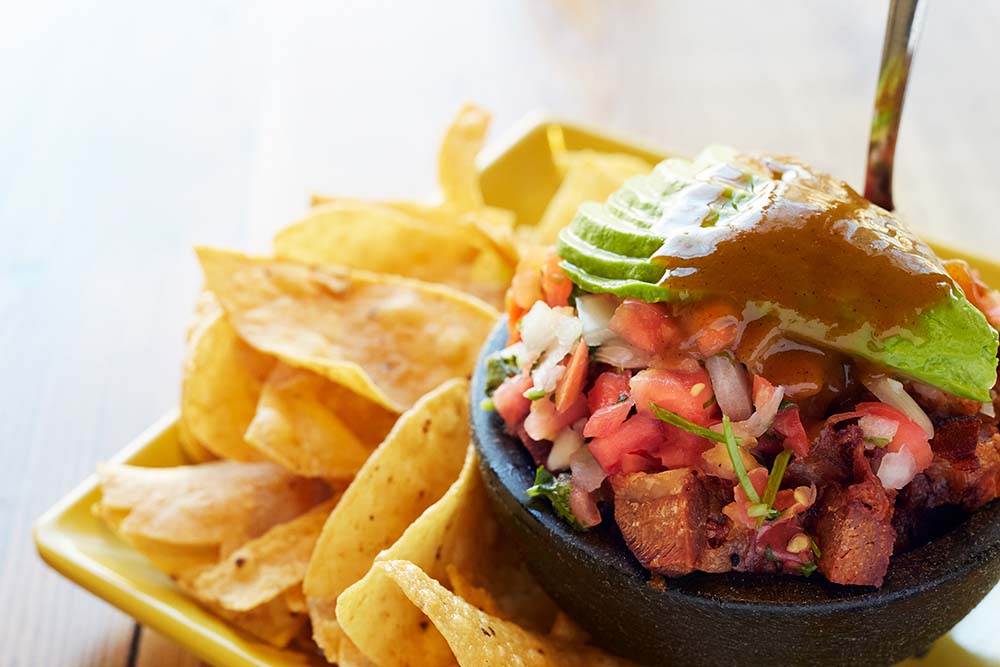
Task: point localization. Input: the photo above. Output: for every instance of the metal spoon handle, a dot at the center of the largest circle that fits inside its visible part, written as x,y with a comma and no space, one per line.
901,32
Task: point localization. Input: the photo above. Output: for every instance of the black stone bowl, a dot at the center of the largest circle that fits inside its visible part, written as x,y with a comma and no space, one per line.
731,619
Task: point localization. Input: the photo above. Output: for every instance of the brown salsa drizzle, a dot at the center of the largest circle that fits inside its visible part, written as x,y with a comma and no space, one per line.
809,244
804,242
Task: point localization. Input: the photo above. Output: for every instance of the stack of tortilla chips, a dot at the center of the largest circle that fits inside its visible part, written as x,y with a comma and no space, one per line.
333,503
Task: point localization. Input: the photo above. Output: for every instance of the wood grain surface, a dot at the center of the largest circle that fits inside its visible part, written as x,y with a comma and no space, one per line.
132,130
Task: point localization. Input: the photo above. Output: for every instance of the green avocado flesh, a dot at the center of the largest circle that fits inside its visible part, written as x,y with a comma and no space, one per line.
654,238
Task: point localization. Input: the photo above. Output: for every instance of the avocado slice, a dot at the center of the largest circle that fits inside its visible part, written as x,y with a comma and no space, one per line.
608,264
663,237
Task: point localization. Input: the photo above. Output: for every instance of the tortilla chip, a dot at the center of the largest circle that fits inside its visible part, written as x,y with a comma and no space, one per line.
415,465
193,450
590,176
481,640
314,427
272,622
222,380
457,171
387,338
265,567
494,224
295,598
373,237
224,503
206,309
350,656
175,560
456,539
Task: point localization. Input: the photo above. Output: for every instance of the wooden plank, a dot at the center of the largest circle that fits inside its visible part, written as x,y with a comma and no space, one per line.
128,144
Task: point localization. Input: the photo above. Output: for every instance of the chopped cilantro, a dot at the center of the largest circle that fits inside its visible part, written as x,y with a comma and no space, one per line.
808,569
769,554
622,397
556,489
534,394
675,419
734,456
709,402
498,369
785,403
773,484
762,511
727,437
878,442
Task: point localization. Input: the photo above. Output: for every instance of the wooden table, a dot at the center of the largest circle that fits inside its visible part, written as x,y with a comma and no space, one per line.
130,133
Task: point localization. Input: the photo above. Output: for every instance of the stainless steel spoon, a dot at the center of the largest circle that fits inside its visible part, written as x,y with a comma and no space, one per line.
901,32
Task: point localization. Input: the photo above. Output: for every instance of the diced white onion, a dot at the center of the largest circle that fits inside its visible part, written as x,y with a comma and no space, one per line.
595,311
897,469
759,421
880,428
891,392
620,354
587,472
731,385
563,447
549,334
548,373
988,409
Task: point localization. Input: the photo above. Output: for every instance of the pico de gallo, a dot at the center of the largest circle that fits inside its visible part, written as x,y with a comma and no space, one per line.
717,440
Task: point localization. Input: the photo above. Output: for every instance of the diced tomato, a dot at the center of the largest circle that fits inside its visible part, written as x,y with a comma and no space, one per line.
583,506
762,390
788,424
774,539
909,436
609,403
570,386
609,389
681,449
647,326
688,394
638,462
525,289
556,285
509,400
792,502
638,434
711,326
737,510
544,422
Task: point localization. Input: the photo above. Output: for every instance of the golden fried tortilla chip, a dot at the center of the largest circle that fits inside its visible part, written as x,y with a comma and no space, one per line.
315,427
495,224
481,640
415,465
222,380
456,540
388,338
265,567
193,450
224,503
376,237
295,598
272,622
457,171
179,561
590,176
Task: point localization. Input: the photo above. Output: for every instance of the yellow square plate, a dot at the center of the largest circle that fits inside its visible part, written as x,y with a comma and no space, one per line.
519,174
